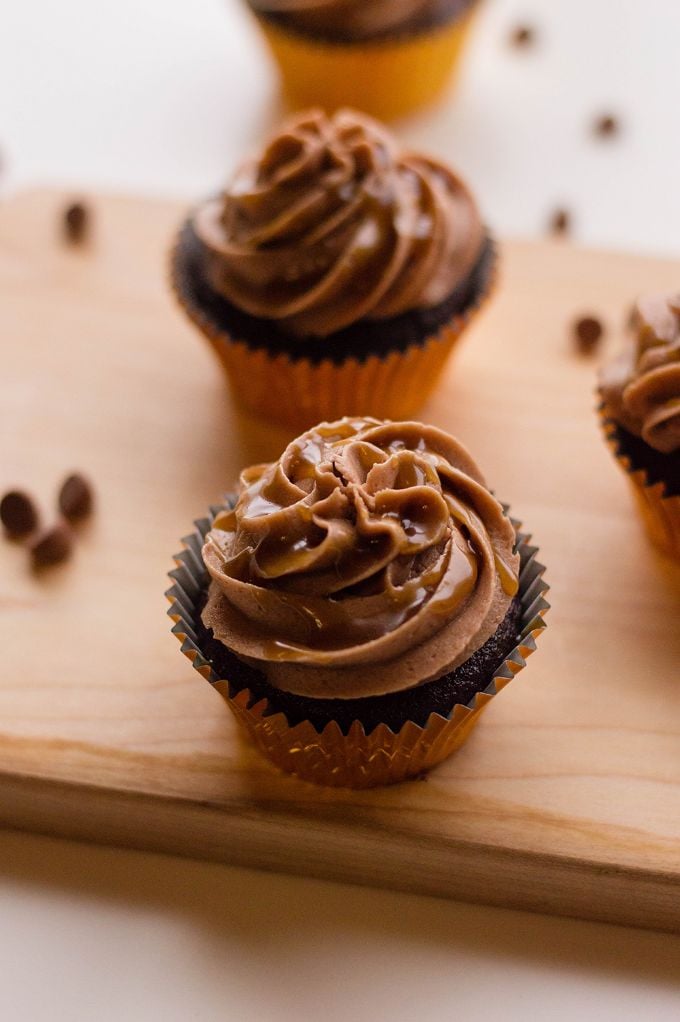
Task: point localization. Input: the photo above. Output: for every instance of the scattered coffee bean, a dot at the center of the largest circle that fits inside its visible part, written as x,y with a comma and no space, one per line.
523,35
18,513
75,497
76,219
606,126
587,332
560,222
53,546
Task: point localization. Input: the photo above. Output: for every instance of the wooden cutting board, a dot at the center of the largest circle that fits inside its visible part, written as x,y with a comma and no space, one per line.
567,797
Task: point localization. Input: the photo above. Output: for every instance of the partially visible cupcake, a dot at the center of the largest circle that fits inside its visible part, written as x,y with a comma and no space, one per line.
335,273
360,601
640,410
387,57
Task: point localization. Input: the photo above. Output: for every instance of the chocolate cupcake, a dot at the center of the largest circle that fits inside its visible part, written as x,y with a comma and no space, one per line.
360,601
640,411
335,273
387,57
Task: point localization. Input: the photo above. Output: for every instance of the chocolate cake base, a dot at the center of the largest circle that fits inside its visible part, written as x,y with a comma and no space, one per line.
659,467
359,340
438,13
395,709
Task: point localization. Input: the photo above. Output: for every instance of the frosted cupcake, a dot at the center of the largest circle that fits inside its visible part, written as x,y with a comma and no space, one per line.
335,273
640,409
360,601
387,57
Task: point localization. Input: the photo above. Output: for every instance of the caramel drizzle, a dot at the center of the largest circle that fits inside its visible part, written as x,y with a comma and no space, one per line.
355,531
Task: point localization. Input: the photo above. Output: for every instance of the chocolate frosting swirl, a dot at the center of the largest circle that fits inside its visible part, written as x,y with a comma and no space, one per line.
369,558
332,224
641,389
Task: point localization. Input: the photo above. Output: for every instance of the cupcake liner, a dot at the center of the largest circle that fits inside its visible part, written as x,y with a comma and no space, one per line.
660,513
355,759
298,391
387,77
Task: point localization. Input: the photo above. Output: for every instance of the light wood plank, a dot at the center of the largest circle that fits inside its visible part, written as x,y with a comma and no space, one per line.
567,797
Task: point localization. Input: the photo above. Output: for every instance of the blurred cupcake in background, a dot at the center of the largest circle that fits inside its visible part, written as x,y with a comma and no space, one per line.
335,273
387,57
640,411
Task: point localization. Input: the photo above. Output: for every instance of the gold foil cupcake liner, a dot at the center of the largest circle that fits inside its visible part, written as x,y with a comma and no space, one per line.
298,392
387,78
660,514
355,759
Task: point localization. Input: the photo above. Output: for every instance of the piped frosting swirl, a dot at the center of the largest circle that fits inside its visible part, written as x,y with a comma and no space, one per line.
369,558
641,389
332,224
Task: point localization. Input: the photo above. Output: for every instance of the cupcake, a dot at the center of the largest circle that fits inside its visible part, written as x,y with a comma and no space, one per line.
335,273
640,411
387,57
359,601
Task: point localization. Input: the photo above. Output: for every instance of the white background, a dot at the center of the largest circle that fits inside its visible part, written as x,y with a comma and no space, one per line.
163,97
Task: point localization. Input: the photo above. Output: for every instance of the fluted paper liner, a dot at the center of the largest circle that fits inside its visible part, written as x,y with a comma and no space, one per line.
660,513
299,392
387,78
357,759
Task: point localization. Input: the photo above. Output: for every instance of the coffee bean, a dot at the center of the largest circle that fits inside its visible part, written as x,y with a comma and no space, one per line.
587,332
76,222
523,35
53,546
560,222
75,497
606,126
18,513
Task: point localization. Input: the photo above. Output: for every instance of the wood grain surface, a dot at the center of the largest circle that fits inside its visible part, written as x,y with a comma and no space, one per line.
566,799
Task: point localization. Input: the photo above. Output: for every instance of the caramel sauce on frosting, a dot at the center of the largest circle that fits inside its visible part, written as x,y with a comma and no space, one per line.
641,389
333,223
369,558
